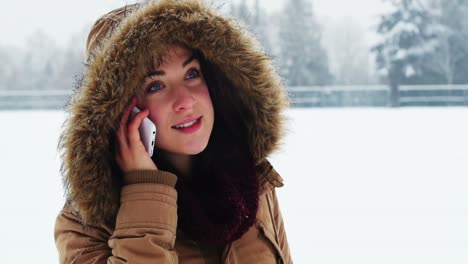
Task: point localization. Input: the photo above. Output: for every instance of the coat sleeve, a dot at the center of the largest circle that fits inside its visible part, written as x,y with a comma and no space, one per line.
280,230
272,180
145,230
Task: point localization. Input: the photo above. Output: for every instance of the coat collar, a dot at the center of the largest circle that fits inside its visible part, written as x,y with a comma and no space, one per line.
269,178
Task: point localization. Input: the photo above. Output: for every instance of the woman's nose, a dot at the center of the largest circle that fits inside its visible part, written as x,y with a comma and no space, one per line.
183,98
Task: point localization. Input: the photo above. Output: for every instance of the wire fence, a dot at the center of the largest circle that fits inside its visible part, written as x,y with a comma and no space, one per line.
378,96
306,96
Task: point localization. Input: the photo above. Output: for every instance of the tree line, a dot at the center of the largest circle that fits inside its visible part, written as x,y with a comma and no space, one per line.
421,42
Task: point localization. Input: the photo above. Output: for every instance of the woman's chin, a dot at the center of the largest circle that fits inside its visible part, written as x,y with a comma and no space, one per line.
191,150
194,150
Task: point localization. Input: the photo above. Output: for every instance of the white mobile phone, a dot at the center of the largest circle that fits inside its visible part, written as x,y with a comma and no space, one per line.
147,131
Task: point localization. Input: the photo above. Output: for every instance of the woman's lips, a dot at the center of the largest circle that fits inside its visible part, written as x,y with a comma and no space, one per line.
191,129
187,120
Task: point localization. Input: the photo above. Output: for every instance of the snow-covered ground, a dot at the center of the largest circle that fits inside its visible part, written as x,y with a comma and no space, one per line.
361,185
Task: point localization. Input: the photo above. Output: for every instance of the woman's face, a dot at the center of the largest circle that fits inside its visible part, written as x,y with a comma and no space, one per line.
177,97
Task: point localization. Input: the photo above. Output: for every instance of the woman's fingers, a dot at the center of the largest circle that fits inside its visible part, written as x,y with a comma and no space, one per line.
132,154
123,129
127,112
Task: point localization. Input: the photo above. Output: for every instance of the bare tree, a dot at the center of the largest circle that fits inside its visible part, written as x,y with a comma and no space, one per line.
452,46
349,55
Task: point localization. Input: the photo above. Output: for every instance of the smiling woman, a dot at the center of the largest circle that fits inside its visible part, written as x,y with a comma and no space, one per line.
208,192
179,103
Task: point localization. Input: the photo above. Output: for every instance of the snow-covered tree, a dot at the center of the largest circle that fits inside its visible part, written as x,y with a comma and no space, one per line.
408,35
450,58
256,20
262,27
70,62
303,61
7,68
242,12
42,64
38,64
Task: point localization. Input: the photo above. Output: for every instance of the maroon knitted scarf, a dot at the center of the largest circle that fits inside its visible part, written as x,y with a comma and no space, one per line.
219,209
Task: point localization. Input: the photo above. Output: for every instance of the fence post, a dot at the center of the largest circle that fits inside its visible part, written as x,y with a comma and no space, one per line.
394,95
394,77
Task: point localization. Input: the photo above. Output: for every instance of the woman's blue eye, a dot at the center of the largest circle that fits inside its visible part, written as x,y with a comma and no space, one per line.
155,87
192,74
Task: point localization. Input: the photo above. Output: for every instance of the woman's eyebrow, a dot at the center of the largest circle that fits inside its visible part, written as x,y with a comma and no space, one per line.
159,73
190,59
152,73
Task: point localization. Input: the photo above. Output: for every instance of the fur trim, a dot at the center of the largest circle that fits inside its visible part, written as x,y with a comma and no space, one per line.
113,77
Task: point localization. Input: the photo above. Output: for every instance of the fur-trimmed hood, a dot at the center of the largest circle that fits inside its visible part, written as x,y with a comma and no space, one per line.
118,60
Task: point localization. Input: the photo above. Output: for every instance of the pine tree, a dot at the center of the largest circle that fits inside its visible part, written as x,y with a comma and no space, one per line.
256,21
303,61
450,59
38,62
6,68
409,35
261,27
242,12
71,62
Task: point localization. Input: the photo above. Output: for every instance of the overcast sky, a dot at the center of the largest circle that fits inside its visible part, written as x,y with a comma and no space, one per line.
62,18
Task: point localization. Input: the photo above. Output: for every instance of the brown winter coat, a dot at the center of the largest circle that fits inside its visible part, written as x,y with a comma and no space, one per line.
110,218
146,232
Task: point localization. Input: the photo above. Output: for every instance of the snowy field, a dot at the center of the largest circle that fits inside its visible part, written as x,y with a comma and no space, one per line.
361,185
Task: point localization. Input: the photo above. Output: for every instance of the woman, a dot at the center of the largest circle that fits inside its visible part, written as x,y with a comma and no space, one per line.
208,193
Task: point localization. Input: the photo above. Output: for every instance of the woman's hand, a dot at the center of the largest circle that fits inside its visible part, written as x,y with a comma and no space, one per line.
131,154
